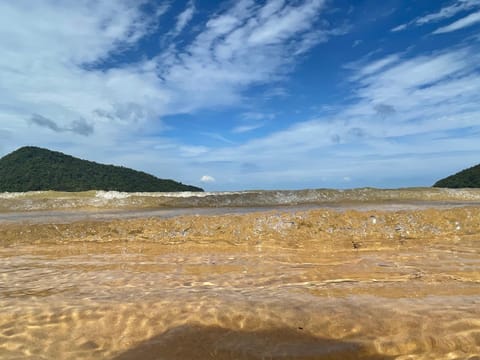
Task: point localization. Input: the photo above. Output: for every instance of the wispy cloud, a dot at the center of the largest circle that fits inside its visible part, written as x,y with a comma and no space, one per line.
400,27
444,13
78,126
246,128
217,136
207,179
357,43
252,120
448,11
48,67
414,109
464,22
255,115
246,45
62,62
366,69
184,18
44,122
182,21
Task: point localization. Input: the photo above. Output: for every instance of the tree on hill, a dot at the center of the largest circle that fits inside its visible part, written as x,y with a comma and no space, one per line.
32,169
468,178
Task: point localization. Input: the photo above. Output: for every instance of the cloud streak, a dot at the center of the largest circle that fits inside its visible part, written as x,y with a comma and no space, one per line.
410,114
243,46
79,126
448,11
184,18
444,13
464,22
246,128
65,71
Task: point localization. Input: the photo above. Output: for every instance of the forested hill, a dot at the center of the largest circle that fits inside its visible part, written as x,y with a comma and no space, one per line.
32,168
468,178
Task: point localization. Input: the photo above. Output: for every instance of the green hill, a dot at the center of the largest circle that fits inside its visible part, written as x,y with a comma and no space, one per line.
32,168
468,178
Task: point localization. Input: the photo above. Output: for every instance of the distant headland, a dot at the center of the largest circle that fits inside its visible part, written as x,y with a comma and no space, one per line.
36,169
468,178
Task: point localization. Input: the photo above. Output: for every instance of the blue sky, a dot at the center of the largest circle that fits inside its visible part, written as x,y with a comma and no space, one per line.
233,95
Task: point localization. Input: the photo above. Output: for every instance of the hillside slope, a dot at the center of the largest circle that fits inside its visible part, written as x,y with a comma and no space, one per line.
32,168
468,178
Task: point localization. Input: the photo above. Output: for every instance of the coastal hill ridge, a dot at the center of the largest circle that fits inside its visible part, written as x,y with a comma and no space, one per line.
35,169
467,178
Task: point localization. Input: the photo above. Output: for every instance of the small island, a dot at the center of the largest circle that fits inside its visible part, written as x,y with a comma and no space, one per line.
35,169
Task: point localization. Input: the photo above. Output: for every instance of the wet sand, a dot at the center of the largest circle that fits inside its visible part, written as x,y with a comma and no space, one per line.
365,283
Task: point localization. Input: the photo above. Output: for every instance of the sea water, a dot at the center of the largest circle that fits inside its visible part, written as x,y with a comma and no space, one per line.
389,281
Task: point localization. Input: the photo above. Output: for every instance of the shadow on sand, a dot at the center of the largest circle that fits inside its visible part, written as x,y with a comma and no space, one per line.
212,342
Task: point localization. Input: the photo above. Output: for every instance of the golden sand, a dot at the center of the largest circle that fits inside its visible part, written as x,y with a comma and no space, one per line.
317,284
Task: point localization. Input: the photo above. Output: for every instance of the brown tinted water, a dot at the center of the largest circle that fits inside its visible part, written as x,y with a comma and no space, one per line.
317,284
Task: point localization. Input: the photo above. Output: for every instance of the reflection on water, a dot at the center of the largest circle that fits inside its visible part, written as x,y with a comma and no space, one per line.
150,301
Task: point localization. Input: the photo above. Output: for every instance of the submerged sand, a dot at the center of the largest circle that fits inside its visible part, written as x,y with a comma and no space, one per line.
313,284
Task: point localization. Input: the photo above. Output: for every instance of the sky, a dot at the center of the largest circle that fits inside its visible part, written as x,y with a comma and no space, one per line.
241,95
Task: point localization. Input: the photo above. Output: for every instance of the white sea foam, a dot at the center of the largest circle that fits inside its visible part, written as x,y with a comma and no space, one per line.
187,194
16,195
111,195
49,200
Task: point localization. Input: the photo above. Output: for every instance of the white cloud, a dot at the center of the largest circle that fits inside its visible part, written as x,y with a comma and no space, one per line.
282,23
57,64
448,11
182,21
418,113
185,17
64,32
252,120
219,137
246,128
193,151
357,43
46,68
255,115
376,66
464,22
399,27
207,179
444,13
239,48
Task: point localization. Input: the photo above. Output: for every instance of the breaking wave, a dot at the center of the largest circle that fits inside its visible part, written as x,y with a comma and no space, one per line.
52,200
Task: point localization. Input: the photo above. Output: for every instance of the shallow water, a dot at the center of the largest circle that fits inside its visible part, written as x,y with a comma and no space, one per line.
113,200
69,215
389,280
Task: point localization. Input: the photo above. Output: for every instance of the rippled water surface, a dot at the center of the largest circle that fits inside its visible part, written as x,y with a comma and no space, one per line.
150,301
381,279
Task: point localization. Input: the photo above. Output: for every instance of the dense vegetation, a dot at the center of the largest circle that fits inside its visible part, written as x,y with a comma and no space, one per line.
468,178
32,168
